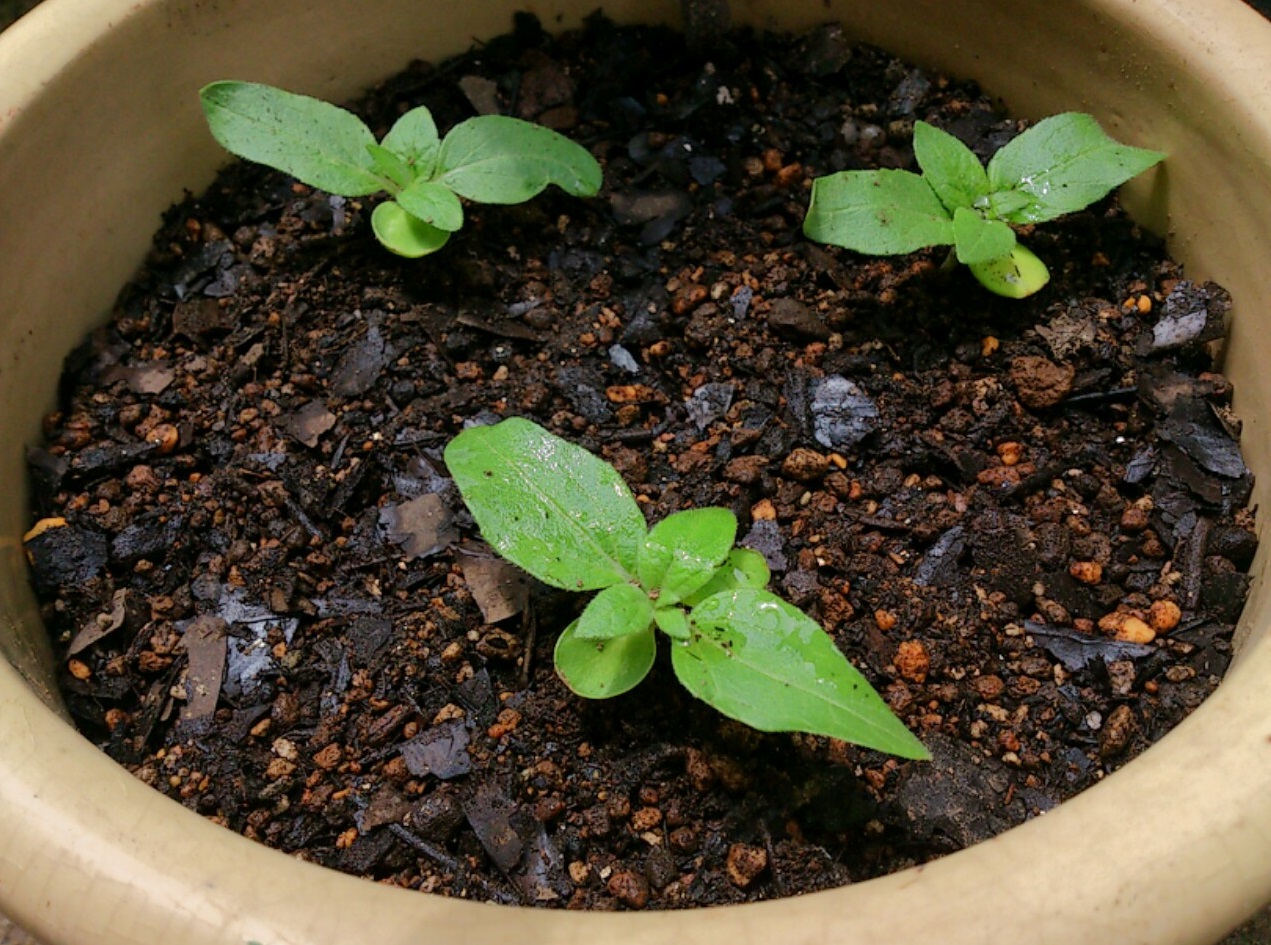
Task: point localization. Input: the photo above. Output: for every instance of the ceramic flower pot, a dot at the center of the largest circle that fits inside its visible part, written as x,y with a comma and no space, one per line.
100,130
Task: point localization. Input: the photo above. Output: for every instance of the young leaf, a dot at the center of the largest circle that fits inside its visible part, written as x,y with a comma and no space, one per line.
551,507
1063,164
978,240
313,141
949,166
1014,276
683,551
432,203
598,669
879,212
672,621
761,661
745,567
496,159
405,234
615,612
414,139
390,166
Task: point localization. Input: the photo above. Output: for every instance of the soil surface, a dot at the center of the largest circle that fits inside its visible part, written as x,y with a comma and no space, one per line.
1023,521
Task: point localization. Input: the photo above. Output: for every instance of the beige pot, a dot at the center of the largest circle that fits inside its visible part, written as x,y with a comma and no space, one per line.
100,131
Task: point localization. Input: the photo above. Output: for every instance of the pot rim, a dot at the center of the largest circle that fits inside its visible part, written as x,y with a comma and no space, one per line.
121,863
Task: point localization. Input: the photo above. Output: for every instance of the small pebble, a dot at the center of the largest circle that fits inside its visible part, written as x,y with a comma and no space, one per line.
1127,628
745,864
629,888
1164,615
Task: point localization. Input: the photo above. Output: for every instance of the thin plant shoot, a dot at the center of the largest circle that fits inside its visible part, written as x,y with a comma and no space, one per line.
1059,166
568,518
487,159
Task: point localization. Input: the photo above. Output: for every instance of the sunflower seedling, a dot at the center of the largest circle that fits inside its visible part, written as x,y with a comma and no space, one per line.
487,159
1060,165
568,518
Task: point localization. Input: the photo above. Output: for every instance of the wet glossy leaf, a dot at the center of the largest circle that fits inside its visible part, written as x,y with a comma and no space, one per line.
598,669
547,505
978,240
1063,164
761,661
745,567
496,159
683,551
414,139
615,612
404,233
313,141
879,212
949,166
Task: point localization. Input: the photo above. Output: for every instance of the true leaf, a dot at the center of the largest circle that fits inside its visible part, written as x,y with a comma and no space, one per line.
414,139
433,203
598,669
496,159
313,141
1063,164
551,507
745,567
977,240
404,233
391,166
672,621
615,612
883,212
683,551
949,166
761,661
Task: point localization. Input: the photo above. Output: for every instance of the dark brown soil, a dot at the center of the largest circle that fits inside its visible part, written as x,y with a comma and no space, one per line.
273,607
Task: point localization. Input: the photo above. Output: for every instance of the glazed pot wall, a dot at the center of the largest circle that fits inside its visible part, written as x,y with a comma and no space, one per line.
100,131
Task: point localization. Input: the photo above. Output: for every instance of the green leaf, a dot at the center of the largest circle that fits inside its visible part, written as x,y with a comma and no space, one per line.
433,203
683,551
313,141
949,166
414,139
405,234
496,159
978,240
745,567
761,661
672,621
391,166
598,669
878,212
1063,164
1015,276
548,506
615,612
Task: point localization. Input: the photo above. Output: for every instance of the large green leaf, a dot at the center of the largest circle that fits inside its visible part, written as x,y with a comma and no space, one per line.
614,612
1063,164
761,661
598,669
878,212
496,159
547,505
949,166
313,141
683,551
978,240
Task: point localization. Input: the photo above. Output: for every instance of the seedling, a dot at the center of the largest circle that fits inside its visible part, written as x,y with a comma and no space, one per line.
487,159
1060,165
568,518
